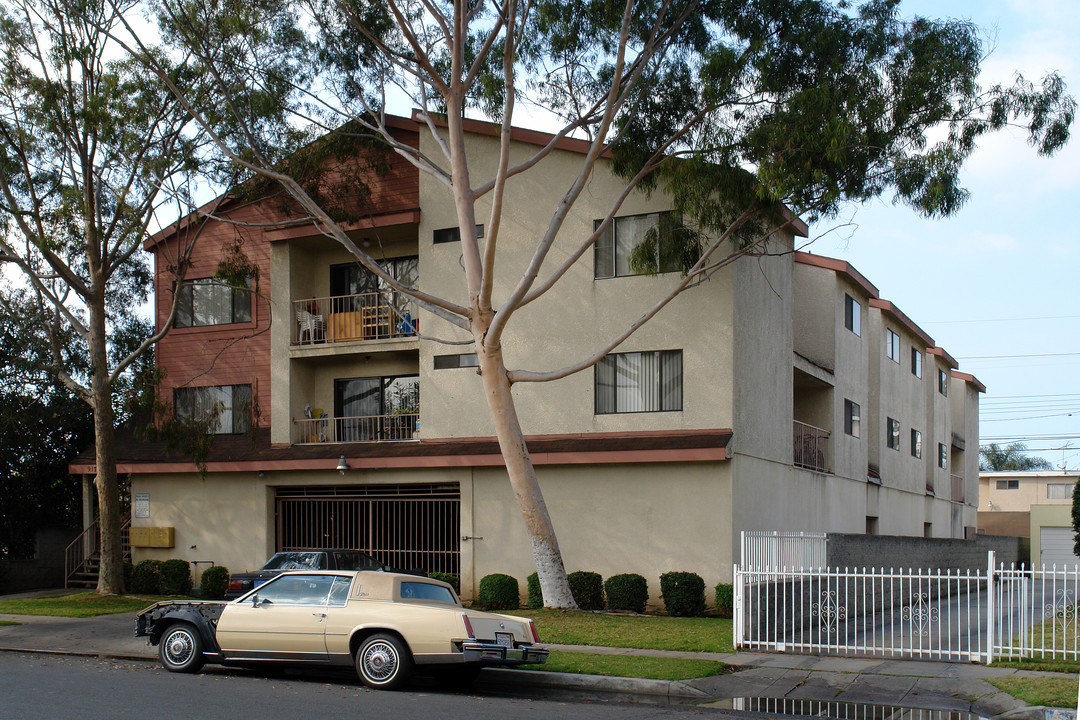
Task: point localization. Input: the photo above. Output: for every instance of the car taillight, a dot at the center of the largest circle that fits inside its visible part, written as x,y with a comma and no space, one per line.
235,585
468,627
536,636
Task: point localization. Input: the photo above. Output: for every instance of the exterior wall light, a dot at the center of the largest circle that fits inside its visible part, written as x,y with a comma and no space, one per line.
342,466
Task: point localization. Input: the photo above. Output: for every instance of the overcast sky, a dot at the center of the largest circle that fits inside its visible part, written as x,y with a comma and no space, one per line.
996,285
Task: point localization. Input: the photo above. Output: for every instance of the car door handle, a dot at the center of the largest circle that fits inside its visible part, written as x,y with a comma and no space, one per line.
318,615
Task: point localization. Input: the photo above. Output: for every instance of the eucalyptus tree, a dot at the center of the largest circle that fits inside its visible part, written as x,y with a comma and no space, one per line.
91,148
738,110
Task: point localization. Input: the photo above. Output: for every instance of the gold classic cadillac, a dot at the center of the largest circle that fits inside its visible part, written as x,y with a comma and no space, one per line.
383,623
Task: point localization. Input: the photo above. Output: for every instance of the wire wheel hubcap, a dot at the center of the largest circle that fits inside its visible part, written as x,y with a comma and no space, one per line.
380,661
179,646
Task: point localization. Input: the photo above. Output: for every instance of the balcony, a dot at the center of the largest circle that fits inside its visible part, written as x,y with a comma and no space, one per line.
957,488
811,447
353,318
370,428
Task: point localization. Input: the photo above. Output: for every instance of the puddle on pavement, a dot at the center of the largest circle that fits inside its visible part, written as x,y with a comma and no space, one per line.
840,710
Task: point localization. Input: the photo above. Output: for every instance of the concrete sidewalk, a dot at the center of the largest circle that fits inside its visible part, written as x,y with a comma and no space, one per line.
915,684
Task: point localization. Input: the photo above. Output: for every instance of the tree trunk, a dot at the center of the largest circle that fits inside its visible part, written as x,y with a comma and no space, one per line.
111,569
545,546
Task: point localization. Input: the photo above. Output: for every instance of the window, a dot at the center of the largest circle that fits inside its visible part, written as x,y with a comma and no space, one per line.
452,234
871,525
928,529
449,362
852,315
943,382
639,382
614,246
892,345
851,418
227,408
916,362
208,301
297,590
1008,484
1059,491
942,456
893,437
426,591
916,443
376,408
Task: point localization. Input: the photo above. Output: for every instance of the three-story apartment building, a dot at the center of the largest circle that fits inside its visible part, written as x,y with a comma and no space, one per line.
782,393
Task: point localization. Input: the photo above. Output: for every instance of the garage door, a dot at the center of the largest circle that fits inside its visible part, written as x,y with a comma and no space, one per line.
1056,546
406,526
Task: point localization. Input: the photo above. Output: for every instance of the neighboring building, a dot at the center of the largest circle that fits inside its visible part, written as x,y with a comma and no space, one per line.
783,393
1035,504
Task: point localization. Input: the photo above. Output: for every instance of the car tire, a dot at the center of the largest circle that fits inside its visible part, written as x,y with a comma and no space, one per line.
180,649
383,662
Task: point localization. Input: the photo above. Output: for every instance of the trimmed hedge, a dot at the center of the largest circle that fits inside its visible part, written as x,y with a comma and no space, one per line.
536,595
214,582
725,599
498,592
147,577
627,592
129,576
587,589
3,574
175,577
683,594
453,580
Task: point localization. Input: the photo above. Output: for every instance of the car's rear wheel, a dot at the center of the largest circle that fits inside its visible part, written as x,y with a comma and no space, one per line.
180,649
383,662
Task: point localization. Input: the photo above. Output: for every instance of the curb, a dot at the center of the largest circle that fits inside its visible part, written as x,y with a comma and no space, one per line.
670,689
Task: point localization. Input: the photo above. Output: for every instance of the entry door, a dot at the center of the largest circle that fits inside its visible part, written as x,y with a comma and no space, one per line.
284,620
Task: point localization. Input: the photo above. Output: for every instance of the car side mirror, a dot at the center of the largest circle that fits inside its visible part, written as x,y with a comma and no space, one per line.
255,601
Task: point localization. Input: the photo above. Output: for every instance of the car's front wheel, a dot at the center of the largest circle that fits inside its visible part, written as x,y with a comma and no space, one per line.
180,649
383,662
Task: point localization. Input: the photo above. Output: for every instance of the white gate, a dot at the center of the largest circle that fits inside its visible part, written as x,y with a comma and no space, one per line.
909,613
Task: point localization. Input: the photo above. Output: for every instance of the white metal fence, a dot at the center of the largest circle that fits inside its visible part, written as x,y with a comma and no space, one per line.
909,613
773,550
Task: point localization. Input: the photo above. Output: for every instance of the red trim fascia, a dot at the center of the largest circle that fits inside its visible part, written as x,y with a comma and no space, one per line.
903,319
969,379
940,352
840,266
600,457
517,134
403,217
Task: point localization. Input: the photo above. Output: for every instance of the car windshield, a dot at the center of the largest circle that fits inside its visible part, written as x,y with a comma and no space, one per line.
296,561
426,591
356,560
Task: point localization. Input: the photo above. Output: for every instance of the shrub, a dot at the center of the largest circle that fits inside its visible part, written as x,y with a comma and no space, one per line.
536,595
628,591
683,594
587,589
498,592
175,577
147,577
3,575
214,582
725,599
453,580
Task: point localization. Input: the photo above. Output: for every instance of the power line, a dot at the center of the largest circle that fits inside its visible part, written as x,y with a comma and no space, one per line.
998,320
1018,357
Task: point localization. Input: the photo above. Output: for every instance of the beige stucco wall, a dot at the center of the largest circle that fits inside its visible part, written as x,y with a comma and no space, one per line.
573,320
609,519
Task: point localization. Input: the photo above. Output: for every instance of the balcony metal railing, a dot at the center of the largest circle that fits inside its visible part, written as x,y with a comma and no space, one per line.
811,447
957,488
371,428
350,318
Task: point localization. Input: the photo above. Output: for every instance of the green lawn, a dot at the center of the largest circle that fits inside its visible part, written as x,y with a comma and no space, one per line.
83,604
1049,691
572,627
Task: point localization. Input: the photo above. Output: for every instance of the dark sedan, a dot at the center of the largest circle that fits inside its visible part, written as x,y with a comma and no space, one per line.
240,583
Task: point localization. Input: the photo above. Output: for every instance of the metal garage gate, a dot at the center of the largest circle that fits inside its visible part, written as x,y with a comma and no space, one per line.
406,526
